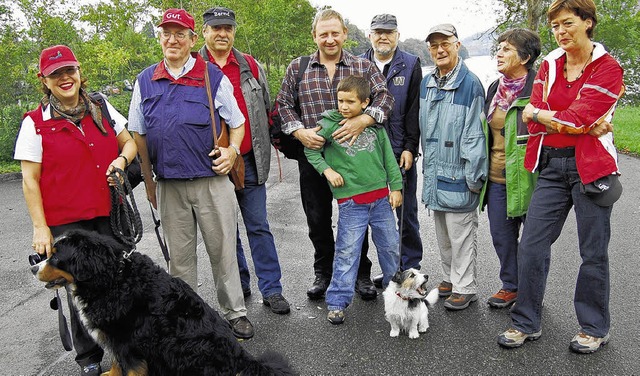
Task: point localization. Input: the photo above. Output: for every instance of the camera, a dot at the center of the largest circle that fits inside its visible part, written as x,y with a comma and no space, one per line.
36,258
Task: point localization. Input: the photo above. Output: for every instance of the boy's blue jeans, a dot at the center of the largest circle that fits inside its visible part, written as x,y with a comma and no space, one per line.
353,220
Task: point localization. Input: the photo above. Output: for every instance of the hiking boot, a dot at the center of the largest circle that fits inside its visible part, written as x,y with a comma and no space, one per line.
319,287
502,298
93,369
336,317
377,280
444,288
366,289
277,303
513,338
585,344
241,327
457,301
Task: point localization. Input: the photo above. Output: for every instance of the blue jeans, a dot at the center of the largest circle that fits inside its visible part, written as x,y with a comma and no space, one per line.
353,220
317,203
253,206
504,233
411,243
557,190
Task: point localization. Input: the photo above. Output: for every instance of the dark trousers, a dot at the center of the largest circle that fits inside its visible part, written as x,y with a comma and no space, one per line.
556,192
505,232
87,350
317,205
252,201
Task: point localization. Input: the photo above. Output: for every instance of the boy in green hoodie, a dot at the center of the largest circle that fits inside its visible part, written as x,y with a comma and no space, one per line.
365,179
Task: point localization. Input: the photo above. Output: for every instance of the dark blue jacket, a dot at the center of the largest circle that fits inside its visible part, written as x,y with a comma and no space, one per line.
403,82
179,133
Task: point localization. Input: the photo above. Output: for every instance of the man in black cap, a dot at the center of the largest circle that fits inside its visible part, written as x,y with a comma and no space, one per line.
455,162
246,75
403,75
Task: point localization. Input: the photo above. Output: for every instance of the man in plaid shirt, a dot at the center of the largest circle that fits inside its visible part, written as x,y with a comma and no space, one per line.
316,94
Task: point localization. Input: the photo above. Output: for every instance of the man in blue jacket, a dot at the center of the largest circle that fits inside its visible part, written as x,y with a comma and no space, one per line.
403,74
455,162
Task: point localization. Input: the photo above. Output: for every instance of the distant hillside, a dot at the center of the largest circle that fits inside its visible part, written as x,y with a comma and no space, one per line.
480,44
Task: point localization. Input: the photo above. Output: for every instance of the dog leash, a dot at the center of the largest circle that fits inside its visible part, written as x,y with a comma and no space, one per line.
123,204
63,327
163,245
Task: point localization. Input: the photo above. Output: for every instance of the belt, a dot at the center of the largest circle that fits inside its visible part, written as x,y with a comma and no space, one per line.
559,152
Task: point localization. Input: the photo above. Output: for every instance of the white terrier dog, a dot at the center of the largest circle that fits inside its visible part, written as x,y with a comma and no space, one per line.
405,301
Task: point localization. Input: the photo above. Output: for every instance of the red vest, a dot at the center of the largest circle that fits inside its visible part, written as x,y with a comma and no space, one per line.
73,182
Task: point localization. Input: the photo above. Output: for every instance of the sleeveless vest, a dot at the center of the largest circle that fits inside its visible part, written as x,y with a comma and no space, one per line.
179,134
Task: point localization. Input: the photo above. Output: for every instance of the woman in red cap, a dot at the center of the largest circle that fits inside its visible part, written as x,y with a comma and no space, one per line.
67,150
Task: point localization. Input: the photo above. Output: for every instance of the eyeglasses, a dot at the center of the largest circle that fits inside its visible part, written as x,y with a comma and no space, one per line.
445,45
180,35
70,71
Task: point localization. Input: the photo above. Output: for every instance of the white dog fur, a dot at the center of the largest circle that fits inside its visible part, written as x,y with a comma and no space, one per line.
405,301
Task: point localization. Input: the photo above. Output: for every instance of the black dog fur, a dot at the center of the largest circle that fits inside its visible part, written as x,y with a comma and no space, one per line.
153,324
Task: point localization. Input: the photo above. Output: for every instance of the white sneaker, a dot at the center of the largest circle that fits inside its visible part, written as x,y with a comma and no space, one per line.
585,344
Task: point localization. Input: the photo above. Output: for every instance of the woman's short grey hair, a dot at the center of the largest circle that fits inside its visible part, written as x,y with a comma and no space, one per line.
526,42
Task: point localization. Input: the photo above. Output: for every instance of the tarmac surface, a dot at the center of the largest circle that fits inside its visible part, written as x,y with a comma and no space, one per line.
460,342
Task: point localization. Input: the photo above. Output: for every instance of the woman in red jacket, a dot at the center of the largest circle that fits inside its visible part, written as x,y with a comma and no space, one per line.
571,145
67,151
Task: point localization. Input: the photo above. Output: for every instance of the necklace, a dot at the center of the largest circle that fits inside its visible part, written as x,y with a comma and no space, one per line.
581,70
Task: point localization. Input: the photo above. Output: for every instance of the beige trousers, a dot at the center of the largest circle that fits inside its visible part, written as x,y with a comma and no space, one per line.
457,239
208,203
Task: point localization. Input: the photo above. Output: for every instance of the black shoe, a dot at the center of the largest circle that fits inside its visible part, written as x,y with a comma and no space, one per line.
366,289
241,327
277,303
92,369
377,280
320,286
246,292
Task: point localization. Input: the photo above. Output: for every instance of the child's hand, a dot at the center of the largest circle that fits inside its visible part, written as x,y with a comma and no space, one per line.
395,199
334,178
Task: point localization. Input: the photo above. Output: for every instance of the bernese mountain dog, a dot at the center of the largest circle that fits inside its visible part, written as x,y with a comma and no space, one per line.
153,323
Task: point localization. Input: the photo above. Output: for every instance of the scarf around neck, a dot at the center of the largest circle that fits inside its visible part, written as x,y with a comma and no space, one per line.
77,113
508,91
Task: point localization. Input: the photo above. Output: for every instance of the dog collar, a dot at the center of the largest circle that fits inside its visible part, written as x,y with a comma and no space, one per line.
402,297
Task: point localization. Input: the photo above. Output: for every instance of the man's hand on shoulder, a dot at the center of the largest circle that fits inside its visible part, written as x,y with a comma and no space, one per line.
309,137
351,128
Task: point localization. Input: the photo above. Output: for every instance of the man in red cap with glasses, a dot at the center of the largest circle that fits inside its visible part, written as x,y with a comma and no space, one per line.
170,118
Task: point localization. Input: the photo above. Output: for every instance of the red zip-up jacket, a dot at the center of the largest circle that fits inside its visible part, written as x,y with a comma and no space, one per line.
596,101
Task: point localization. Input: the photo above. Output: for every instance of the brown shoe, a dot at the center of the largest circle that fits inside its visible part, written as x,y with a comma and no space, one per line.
241,327
444,288
457,301
502,298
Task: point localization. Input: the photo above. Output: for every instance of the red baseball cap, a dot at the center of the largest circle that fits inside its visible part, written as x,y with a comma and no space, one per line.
56,57
179,17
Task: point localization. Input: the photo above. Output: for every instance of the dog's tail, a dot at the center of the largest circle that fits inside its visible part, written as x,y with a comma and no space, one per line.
432,297
270,363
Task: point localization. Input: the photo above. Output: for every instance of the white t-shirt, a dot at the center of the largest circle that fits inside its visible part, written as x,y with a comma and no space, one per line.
29,144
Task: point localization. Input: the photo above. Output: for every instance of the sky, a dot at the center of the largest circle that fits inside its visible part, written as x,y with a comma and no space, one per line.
416,17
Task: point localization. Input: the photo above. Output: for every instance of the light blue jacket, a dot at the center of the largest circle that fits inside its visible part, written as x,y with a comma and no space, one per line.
453,142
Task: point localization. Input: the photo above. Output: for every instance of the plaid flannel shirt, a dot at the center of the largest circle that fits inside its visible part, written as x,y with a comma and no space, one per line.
317,93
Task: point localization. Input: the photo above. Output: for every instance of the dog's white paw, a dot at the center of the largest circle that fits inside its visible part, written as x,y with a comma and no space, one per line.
422,329
414,334
394,333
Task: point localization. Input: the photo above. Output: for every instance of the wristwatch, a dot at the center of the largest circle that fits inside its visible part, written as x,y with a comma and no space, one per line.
235,148
536,111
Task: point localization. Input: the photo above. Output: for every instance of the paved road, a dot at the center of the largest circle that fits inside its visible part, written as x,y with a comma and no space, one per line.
456,343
